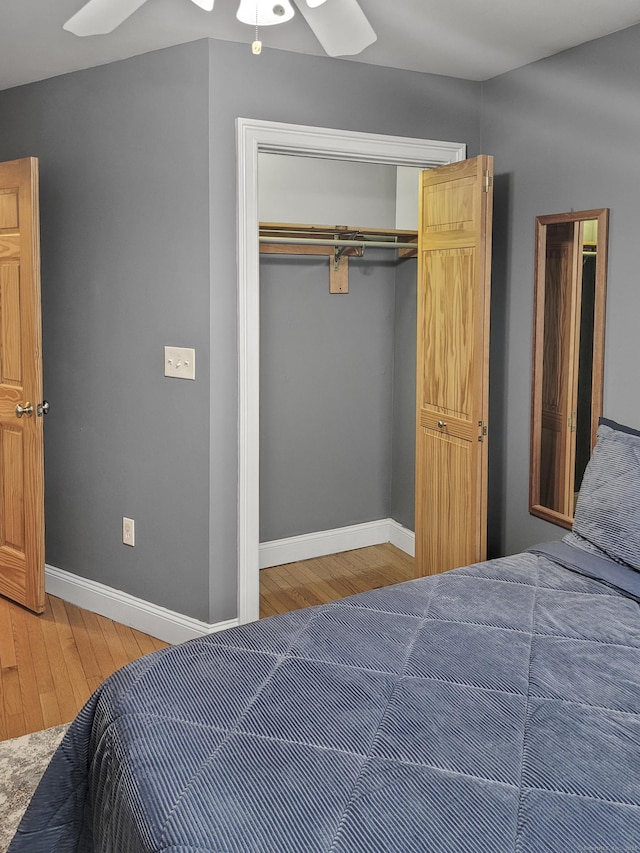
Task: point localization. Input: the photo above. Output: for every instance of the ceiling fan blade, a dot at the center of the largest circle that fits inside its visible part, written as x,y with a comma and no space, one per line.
340,26
98,17
207,5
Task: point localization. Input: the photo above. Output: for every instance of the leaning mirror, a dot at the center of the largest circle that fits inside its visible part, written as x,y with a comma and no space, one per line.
568,346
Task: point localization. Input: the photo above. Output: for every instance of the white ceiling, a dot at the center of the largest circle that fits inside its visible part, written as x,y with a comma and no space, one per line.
472,39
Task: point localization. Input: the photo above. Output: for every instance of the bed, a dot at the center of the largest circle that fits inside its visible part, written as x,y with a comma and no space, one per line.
491,708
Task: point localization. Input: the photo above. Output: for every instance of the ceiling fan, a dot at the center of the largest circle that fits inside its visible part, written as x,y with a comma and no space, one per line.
340,26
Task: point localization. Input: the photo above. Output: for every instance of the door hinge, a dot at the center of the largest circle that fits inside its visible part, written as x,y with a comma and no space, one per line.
487,181
483,430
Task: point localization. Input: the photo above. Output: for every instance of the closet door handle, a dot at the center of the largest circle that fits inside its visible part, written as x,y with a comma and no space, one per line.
442,424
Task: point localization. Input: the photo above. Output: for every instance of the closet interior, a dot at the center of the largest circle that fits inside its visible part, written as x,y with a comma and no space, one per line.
337,346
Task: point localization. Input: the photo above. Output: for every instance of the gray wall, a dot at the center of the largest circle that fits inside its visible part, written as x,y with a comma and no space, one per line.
138,251
565,133
325,394
125,270
337,394
402,497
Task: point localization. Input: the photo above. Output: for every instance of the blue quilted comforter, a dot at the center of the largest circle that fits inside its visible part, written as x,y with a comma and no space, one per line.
489,709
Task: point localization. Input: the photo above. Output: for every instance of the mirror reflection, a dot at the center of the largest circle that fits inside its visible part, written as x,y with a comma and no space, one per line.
571,250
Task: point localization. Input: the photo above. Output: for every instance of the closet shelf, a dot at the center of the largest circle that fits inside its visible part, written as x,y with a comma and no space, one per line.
336,241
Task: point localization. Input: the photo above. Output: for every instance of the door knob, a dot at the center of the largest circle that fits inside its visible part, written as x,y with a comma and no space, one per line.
442,424
27,409
42,408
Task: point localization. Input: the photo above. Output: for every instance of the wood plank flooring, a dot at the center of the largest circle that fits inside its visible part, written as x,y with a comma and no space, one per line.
325,579
51,664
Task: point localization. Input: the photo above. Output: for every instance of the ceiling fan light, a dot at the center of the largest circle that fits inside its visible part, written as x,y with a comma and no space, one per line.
207,5
264,13
314,3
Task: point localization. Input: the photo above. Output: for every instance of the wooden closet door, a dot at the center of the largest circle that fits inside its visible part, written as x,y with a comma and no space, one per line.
453,364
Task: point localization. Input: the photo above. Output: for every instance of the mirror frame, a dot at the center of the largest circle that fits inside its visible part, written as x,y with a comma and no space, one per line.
601,215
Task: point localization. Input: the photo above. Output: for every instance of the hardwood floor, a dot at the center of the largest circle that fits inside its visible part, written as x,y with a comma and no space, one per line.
284,588
51,664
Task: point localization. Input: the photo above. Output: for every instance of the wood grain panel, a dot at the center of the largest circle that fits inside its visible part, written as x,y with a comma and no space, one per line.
451,504
9,246
10,340
447,328
449,210
13,528
9,208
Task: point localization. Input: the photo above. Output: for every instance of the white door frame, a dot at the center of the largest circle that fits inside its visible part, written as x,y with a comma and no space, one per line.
254,136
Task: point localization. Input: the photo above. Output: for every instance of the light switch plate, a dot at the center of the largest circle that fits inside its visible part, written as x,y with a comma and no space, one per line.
180,362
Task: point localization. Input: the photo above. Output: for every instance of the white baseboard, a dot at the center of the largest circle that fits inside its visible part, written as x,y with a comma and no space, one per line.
143,615
175,627
310,545
402,538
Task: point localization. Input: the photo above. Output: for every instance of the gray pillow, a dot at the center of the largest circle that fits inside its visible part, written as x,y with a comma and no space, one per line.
608,509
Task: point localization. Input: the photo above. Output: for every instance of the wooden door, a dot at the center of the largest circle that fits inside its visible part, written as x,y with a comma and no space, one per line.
454,260
21,437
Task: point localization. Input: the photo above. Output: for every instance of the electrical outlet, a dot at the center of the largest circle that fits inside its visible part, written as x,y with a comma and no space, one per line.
128,531
180,362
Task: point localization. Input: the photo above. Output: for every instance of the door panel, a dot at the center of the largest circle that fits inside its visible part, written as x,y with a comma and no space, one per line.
453,362
449,463
21,438
447,308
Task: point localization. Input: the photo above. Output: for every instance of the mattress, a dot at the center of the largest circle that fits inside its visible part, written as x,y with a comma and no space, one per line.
491,708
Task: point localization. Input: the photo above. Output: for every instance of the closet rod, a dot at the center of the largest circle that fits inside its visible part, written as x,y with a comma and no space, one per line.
358,244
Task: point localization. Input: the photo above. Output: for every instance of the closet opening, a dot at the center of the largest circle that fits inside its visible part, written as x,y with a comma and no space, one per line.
324,376
337,377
